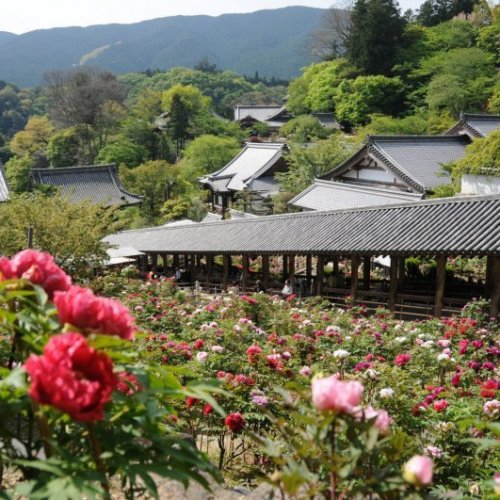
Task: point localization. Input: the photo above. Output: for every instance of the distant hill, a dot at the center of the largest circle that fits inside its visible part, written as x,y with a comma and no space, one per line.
272,42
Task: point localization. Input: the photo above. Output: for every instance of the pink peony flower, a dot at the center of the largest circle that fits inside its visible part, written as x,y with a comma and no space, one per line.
418,471
37,267
305,371
492,408
253,353
81,309
383,420
72,376
331,394
441,405
434,451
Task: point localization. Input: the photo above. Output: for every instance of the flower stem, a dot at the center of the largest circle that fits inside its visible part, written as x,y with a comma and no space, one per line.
333,473
95,445
44,428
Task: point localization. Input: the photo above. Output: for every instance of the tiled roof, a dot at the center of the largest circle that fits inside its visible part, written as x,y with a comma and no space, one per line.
4,189
448,226
99,184
475,125
252,162
328,195
259,113
416,160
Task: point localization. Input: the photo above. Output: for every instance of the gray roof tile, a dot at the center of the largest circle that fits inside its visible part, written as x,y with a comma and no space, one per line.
99,184
452,226
4,188
328,195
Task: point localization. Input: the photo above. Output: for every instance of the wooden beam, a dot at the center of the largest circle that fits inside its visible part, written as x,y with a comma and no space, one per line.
265,272
440,285
393,284
225,272
367,261
244,281
354,276
495,288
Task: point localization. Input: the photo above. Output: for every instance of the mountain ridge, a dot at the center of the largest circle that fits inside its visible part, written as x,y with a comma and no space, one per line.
272,41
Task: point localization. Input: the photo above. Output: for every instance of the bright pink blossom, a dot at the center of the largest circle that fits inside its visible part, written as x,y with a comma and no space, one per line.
37,267
331,394
441,405
80,308
418,471
383,420
72,376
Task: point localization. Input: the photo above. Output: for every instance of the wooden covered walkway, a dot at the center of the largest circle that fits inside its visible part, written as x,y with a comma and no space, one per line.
306,242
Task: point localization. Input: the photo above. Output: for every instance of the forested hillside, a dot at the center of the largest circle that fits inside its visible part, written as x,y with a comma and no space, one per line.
391,75
272,42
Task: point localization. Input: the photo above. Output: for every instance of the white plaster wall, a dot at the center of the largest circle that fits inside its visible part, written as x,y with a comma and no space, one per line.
480,184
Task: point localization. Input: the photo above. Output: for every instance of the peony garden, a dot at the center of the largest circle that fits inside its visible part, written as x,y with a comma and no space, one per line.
108,386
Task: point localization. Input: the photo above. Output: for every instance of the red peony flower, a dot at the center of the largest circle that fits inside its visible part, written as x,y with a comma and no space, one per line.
72,376
207,409
253,353
199,343
190,401
441,405
37,267
402,359
128,383
235,422
80,308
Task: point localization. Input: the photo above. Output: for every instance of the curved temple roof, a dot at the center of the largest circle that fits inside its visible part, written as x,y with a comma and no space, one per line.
99,184
448,226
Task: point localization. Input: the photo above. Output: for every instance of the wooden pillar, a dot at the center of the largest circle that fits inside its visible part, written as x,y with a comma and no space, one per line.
291,270
393,285
440,285
225,271
490,278
154,262
354,276
367,261
192,268
335,260
186,262
319,275
244,281
401,272
495,287
176,260
285,267
308,273
210,266
265,272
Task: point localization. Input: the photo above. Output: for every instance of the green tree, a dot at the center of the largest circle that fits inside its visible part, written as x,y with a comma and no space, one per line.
122,151
482,156
303,129
305,163
58,226
18,171
183,104
376,32
207,154
63,149
355,100
387,125
158,181
33,140
433,12
489,40
90,100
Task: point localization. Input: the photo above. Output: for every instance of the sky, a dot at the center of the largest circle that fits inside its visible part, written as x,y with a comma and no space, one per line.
26,15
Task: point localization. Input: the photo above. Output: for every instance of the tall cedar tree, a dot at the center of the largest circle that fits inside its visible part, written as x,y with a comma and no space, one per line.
376,32
434,12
